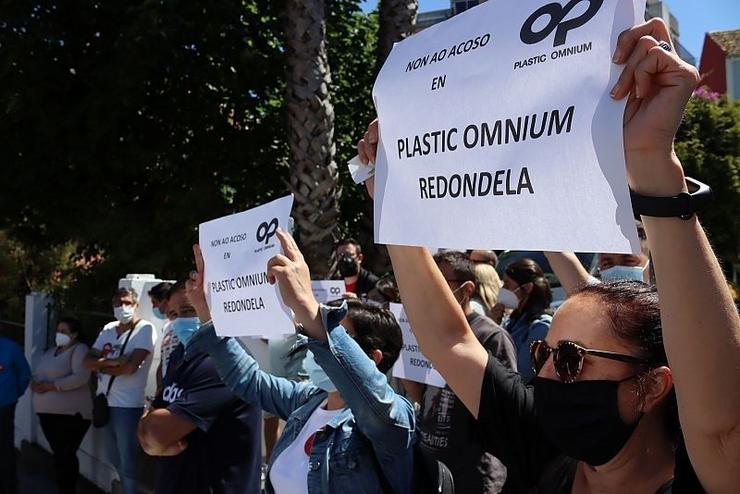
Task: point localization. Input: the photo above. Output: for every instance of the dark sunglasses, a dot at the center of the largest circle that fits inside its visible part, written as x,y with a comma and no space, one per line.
568,358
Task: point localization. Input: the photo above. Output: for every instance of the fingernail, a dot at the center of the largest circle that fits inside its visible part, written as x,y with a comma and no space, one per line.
637,92
617,56
614,90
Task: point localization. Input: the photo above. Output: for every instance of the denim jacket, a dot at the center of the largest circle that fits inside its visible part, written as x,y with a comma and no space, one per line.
367,448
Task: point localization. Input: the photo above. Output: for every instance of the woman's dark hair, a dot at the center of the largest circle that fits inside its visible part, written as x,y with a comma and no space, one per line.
526,271
385,291
75,326
375,328
633,310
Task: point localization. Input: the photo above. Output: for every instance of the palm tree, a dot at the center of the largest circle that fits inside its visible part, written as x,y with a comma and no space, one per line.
314,173
397,20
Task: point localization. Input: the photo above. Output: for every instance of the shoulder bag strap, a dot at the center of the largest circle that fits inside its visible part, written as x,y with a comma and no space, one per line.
123,349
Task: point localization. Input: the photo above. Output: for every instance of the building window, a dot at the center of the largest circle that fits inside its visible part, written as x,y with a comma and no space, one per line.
465,5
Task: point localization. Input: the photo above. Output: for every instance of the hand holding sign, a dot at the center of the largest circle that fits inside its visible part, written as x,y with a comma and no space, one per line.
367,150
291,273
659,84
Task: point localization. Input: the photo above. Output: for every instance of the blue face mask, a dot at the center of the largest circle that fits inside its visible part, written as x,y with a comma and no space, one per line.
185,327
624,273
316,374
158,313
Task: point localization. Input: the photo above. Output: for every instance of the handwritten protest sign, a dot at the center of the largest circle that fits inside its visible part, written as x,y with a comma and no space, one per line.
328,290
236,249
411,363
497,131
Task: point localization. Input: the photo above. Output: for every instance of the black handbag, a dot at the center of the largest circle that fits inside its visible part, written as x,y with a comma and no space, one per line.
101,410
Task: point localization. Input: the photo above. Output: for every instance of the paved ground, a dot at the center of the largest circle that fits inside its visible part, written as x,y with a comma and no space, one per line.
36,473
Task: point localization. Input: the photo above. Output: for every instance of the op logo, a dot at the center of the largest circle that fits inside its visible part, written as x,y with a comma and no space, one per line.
266,230
556,14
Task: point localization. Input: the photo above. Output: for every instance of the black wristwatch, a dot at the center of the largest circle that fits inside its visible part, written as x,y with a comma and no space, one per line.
684,205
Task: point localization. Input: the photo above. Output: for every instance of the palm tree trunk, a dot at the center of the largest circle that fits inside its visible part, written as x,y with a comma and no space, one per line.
397,20
314,173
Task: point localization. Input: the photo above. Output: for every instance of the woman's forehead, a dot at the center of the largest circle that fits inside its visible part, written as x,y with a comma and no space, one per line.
583,319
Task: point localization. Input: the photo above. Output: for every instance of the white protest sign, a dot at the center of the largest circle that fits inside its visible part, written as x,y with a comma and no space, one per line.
236,249
328,290
497,131
411,363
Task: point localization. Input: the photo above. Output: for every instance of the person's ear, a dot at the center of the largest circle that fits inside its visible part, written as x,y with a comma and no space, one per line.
655,387
377,356
360,258
528,287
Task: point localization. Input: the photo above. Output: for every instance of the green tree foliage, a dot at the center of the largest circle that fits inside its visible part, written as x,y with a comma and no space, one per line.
708,144
352,40
126,124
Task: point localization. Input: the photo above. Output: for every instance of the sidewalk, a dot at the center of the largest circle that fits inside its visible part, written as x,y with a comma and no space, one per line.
36,473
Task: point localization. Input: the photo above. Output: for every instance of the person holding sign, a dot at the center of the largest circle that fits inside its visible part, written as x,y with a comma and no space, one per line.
204,438
346,427
631,390
446,427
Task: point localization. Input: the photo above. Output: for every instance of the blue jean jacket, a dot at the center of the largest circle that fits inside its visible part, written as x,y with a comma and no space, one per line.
367,448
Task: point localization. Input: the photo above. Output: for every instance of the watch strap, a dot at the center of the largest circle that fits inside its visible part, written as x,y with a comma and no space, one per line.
683,205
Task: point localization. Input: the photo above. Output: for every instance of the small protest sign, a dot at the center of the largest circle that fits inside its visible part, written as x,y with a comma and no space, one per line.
411,363
328,290
236,250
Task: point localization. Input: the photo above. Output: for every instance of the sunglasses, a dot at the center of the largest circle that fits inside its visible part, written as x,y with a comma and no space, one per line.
568,358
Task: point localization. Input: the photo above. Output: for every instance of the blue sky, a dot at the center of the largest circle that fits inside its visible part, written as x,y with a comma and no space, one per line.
695,17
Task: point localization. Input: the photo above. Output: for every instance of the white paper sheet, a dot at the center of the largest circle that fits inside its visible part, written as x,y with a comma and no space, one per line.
236,250
411,363
488,141
328,290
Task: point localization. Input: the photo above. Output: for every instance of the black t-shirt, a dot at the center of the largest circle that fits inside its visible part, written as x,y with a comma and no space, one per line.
224,451
450,432
513,434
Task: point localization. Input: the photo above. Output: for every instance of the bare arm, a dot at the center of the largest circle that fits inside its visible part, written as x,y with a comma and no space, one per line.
568,269
95,362
440,327
127,364
162,433
701,328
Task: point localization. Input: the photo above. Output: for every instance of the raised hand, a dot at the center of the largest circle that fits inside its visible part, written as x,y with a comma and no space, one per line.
194,290
293,277
658,84
367,150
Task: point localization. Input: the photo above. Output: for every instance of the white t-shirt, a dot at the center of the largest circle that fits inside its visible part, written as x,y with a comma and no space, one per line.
289,472
127,391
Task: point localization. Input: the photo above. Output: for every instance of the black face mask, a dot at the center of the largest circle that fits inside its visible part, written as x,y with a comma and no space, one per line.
582,418
347,266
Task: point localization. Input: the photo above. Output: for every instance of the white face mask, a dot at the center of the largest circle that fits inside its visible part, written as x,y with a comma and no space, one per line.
124,314
316,374
508,298
636,273
62,339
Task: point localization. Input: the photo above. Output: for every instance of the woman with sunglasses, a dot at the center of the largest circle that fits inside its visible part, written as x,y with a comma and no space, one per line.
600,415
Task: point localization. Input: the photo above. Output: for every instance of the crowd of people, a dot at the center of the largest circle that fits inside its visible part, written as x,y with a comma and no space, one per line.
631,384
